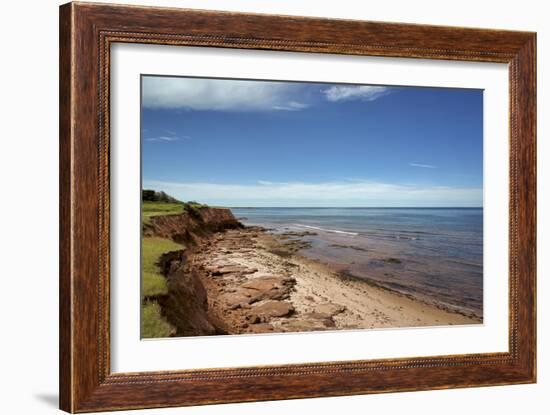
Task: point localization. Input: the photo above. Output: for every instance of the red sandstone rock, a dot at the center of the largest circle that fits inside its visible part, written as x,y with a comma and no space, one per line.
259,328
272,308
330,309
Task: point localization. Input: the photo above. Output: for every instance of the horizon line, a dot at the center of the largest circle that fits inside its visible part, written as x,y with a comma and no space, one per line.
352,207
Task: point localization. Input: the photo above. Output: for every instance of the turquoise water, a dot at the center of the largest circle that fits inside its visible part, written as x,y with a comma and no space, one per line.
434,254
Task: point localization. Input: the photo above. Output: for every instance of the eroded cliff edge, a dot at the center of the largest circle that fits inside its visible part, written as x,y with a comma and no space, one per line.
185,305
193,226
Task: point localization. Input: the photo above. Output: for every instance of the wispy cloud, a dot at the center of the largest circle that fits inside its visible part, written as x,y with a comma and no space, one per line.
334,193
162,138
167,138
424,166
201,94
339,93
291,106
220,94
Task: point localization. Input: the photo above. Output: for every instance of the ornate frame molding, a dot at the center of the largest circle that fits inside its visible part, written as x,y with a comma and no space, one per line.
86,33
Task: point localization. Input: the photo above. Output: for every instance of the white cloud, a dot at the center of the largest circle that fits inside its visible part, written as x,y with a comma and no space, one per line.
167,138
219,94
338,193
291,106
339,93
424,166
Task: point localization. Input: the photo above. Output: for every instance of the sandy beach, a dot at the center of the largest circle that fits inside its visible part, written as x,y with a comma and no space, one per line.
257,282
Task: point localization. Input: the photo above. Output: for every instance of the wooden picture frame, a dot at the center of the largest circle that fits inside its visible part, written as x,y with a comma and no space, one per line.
86,33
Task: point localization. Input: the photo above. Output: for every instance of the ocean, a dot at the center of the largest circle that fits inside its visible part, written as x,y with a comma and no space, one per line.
432,254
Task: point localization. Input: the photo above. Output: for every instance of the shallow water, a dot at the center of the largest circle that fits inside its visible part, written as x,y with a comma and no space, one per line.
434,254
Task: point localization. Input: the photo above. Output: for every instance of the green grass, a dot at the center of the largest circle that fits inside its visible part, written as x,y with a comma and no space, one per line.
153,282
150,209
152,322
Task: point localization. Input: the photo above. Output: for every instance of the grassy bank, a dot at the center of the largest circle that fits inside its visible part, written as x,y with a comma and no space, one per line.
153,283
152,323
150,209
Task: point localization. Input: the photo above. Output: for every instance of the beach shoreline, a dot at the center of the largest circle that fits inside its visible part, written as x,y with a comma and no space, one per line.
259,282
434,255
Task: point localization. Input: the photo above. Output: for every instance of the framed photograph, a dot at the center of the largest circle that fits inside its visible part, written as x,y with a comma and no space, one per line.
259,207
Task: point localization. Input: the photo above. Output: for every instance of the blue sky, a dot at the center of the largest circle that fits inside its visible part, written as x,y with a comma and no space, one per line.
258,143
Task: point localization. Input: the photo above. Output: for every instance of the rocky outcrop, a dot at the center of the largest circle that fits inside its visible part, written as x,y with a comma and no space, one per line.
191,227
186,304
220,285
243,298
